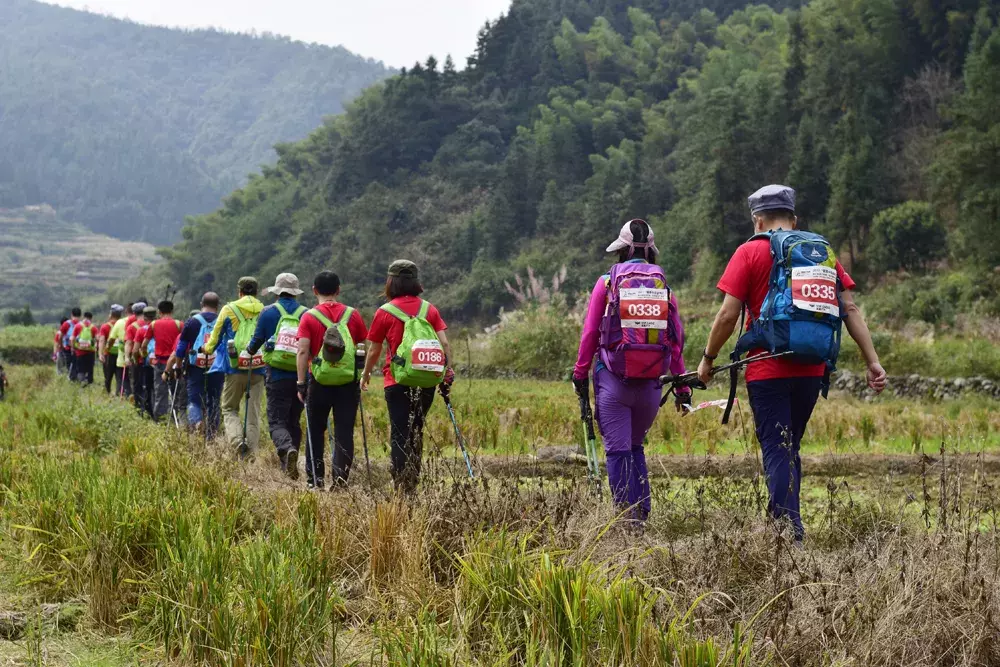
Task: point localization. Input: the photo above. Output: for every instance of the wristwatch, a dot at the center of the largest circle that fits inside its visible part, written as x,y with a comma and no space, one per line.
710,357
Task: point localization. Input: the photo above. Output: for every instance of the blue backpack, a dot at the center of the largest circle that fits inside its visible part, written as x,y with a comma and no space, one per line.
204,360
802,312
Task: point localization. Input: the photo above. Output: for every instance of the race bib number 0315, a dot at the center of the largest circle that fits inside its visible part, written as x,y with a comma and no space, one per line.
427,355
814,288
287,340
644,307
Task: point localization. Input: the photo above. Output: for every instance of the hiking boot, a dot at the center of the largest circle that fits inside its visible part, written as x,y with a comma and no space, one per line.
315,486
290,464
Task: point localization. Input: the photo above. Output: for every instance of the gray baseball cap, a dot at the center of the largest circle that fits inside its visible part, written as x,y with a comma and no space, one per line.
772,197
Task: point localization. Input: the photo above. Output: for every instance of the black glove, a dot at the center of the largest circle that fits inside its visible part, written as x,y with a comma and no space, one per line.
683,400
582,387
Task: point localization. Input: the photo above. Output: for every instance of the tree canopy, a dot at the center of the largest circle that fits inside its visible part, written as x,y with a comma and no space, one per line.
574,116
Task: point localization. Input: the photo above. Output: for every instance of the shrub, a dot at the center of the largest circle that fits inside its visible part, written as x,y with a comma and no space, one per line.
537,340
908,236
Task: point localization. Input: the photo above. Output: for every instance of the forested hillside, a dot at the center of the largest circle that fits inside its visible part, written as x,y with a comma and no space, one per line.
573,116
129,128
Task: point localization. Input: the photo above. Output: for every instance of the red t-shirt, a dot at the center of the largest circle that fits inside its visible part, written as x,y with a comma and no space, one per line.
746,278
93,337
67,327
165,331
314,330
131,330
386,327
105,330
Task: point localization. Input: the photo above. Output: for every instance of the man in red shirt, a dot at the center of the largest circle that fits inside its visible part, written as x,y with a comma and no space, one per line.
84,343
782,391
320,400
164,333
65,334
135,354
407,406
105,354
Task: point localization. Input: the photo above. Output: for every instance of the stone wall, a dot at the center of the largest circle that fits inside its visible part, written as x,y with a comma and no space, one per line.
917,386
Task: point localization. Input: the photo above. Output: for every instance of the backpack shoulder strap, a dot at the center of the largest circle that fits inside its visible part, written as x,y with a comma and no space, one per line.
425,307
180,325
396,312
281,311
323,319
201,320
299,312
238,313
346,315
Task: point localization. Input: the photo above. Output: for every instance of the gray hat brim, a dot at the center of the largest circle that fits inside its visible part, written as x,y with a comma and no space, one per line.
278,291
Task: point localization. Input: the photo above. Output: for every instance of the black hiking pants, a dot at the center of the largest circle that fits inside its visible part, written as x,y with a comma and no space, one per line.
284,415
408,406
342,403
85,368
110,371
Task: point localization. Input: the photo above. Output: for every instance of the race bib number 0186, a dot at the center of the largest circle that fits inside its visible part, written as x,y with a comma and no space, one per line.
427,355
814,288
644,307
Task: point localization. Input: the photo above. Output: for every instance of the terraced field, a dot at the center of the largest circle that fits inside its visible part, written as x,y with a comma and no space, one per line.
48,263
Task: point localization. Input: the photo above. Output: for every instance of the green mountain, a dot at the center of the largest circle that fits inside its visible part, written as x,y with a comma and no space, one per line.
574,116
128,128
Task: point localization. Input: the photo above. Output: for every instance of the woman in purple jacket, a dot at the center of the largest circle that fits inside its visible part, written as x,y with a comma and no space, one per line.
627,406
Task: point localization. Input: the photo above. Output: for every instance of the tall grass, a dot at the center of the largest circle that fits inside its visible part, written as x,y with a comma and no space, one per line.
223,565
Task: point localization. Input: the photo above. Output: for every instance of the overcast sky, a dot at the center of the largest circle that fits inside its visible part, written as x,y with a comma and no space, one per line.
397,32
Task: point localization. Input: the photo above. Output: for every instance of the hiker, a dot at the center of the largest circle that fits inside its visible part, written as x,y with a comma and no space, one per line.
634,328
109,347
784,391
57,348
277,332
204,387
328,336
138,358
414,331
84,342
162,334
66,349
233,330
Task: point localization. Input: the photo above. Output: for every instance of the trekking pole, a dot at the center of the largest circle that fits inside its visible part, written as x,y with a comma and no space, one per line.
359,364
446,395
173,403
590,440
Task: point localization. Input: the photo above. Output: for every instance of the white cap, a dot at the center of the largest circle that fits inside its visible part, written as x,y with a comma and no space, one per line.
625,240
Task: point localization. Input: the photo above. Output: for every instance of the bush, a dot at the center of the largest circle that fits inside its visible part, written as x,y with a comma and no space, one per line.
908,236
537,340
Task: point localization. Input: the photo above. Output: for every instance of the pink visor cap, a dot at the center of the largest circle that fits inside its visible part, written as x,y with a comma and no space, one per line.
625,240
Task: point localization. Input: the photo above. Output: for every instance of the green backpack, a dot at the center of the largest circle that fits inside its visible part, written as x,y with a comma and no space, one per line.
419,360
283,347
85,341
342,372
244,333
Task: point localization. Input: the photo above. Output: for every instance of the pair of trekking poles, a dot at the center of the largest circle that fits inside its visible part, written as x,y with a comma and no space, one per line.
359,364
673,383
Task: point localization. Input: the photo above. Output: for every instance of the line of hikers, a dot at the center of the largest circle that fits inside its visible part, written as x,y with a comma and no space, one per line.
789,282
310,360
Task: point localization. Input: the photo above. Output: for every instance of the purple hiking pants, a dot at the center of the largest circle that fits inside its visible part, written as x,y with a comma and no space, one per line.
625,412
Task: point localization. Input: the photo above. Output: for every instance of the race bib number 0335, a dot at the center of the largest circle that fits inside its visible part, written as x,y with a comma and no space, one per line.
814,288
644,307
427,355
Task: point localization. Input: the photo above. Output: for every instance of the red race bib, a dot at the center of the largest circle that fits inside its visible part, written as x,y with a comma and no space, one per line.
644,307
814,288
203,361
427,355
245,361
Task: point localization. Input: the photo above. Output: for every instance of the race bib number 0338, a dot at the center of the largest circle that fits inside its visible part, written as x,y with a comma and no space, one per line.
644,307
814,288
427,355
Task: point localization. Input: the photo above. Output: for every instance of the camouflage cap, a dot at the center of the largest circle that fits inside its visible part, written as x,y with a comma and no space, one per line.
248,284
149,311
403,267
333,345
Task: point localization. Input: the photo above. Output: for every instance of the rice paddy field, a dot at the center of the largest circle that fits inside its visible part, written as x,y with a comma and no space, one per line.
124,542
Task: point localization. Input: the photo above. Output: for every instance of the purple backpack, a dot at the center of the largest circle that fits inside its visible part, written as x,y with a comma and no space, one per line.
638,323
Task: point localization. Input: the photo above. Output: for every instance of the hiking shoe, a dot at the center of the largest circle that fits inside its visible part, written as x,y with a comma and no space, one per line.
315,487
291,464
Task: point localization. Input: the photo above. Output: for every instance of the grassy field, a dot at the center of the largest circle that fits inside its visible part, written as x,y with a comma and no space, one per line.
156,547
